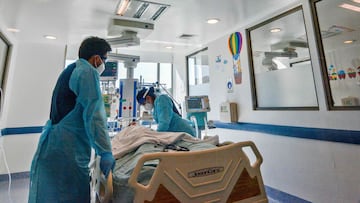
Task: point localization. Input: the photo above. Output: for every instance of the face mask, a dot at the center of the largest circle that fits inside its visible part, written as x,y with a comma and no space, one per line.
100,69
149,106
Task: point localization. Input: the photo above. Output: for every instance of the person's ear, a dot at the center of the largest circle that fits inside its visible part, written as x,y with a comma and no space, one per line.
95,60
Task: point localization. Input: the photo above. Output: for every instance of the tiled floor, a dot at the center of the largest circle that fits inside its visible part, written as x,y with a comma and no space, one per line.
18,192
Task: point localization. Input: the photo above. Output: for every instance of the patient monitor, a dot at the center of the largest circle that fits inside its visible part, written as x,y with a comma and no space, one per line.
197,108
111,71
197,104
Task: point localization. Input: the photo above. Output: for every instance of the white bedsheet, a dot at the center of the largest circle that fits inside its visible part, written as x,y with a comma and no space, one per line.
131,137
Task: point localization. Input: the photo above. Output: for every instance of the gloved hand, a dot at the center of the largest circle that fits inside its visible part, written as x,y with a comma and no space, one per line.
107,163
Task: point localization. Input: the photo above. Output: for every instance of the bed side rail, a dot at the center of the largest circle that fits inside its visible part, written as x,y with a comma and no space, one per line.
223,174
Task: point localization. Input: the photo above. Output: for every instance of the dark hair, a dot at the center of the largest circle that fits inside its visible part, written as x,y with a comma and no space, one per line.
140,97
93,46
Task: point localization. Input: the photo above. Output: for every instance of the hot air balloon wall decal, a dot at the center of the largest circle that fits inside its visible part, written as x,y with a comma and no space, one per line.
235,45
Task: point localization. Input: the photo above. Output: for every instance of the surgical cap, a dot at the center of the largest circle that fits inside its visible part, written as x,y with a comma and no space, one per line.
141,95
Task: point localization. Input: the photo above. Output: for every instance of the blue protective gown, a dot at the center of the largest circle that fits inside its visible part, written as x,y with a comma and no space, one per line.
167,119
59,170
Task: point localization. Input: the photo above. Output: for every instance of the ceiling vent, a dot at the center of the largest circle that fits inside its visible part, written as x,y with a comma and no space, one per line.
186,36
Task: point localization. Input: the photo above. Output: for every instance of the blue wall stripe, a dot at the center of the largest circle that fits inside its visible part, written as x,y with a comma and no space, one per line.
331,135
22,130
280,196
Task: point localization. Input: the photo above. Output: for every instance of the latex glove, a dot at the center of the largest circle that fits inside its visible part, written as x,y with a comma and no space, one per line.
107,163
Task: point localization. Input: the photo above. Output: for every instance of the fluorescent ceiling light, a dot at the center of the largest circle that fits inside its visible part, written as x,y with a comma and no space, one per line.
141,10
49,37
349,41
350,7
212,21
273,30
123,7
169,47
13,30
158,12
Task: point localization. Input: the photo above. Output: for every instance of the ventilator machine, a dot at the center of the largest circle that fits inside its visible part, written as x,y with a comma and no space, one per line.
120,103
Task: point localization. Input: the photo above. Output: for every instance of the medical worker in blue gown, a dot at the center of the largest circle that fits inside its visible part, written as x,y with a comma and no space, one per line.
164,112
59,170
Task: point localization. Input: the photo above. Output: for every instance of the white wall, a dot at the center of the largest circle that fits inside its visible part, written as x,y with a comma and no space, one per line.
317,171
33,73
220,74
37,67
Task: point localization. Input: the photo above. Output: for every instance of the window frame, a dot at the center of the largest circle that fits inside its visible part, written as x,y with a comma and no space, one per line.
254,92
187,68
4,69
323,64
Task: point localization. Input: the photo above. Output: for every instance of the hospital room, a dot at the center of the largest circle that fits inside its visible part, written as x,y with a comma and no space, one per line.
180,101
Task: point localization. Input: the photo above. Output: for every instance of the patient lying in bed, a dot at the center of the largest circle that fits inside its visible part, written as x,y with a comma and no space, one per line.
132,142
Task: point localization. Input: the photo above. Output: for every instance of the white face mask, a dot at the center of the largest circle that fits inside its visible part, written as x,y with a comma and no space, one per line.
100,69
148,106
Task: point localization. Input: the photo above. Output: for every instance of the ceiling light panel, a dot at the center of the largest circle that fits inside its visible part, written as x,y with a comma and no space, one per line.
212,21
143,10
13,30
274,30
350,7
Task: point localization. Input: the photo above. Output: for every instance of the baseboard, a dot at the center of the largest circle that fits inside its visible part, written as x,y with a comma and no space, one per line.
14,176
279,196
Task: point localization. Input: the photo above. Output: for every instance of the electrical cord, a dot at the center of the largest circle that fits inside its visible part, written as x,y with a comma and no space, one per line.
6,165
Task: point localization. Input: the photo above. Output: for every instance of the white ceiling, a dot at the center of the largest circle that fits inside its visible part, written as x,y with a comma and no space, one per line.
73,20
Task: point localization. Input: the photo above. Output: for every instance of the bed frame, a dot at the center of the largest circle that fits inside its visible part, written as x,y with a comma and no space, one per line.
223,174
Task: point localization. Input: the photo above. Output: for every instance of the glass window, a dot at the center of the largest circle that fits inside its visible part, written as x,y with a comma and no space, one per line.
4,47
281,71
4,53
148,72
198,73
338,35
165,76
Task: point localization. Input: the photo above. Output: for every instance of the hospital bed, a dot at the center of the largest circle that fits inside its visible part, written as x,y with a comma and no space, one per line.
217,174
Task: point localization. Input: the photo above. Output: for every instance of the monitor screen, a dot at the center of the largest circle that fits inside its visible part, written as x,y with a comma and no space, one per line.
110,72
194,103
197,104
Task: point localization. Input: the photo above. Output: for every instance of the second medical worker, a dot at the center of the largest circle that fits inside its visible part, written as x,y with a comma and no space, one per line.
164,112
